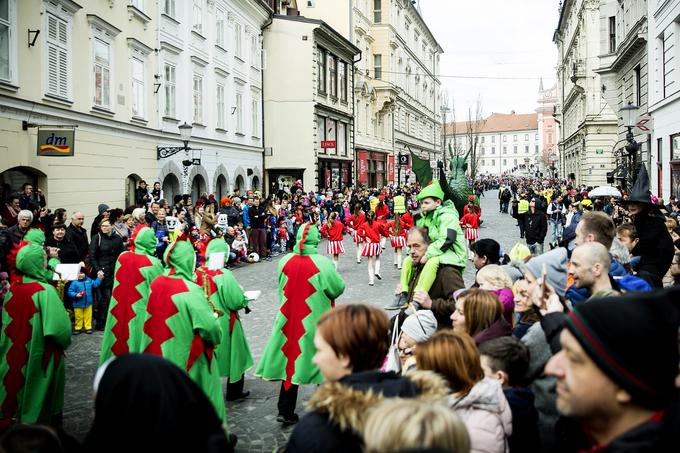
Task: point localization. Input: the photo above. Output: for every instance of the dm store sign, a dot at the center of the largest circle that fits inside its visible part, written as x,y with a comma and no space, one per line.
56,142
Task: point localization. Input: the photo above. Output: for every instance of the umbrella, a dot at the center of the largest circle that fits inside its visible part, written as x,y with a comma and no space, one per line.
604,191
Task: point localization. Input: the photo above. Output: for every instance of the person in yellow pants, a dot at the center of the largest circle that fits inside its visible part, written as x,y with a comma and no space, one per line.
81,292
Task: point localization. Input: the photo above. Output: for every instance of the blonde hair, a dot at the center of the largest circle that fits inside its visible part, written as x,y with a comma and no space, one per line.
403,424
495,276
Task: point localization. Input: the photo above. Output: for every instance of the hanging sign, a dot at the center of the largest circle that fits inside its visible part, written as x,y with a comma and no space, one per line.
56,142
390,168
362,166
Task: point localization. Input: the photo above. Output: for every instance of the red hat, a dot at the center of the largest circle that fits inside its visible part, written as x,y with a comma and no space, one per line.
381,198
471,198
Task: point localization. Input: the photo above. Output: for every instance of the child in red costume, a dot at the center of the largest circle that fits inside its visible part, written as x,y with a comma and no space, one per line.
333,231
355,221
470,223
398,229
372,232
382,212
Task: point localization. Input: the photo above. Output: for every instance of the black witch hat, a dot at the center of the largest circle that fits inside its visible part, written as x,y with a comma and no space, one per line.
640,192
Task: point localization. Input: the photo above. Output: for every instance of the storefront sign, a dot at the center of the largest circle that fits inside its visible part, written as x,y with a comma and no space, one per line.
362,166
325,144
56,142
390,168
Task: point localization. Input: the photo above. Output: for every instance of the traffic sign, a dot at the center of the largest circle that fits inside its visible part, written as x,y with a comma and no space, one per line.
644,125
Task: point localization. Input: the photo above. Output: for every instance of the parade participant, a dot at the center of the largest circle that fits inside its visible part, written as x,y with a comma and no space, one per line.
333,231
447,245
351,344
382,212
36,331
479,401
133,274
225,294
355,221
470,223
308,287
181,325
372,233
154,402
81,292
398,230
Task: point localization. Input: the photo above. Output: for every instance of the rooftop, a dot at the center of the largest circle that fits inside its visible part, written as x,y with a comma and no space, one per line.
499,122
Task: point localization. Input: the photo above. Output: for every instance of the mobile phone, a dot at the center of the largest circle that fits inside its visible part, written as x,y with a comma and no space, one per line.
544,288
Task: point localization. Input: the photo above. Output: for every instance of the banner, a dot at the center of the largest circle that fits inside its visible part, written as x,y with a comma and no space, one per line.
390,168
362,166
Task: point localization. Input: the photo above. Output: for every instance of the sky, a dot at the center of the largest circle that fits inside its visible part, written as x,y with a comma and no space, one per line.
494,38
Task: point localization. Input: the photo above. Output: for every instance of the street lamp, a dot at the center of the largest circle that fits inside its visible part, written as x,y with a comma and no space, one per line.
163,152
629,115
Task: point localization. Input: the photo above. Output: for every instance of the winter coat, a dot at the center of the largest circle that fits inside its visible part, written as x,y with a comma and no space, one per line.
655,247
525,437
78,237
86,285
486,415
104,251
67,250
500,328
535,227
338,410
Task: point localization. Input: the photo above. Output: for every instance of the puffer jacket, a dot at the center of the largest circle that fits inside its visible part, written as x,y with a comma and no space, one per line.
338,410
486,414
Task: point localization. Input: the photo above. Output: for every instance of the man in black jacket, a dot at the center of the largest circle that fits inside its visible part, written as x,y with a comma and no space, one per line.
535,228
258,235
78,235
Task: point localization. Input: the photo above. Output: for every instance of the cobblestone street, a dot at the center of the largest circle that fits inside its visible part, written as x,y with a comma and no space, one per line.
253,420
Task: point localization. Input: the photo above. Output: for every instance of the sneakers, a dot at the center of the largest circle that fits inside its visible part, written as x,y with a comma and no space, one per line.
88,331
76,332
371,283
288,420
378,276
358,261
398,302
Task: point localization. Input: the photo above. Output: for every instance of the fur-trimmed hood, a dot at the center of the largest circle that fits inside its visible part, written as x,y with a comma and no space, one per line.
348,402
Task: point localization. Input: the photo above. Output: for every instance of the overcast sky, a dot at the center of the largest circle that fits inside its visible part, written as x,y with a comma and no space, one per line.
494,38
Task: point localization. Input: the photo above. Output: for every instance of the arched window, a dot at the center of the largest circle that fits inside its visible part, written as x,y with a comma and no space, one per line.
171,187
221,188
256,183
198,187
130,185
239,183
12,179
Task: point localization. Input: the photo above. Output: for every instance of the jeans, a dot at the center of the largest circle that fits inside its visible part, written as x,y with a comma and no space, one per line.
536,249
520,223
504,206
556,229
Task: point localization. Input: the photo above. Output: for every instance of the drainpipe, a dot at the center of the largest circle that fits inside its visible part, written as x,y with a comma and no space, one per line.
265,176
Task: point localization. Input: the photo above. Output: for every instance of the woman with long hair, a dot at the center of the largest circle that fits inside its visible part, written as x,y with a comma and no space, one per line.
382,212
398,230
355,221
372,232
479,313
479,401
333,230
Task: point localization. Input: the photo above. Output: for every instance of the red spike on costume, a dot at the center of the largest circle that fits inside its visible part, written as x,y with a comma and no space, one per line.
161,308
15,275
133,236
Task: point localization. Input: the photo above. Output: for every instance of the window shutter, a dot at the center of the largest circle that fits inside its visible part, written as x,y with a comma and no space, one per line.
57,57
53,64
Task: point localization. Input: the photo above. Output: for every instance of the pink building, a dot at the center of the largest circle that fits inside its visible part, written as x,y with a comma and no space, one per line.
548,129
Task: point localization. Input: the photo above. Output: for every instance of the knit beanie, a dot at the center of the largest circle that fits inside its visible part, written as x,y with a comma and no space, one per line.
556,262
633,339
420,327
101,208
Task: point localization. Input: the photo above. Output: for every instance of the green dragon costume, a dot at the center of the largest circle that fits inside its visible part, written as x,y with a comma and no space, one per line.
36,331
233,354
133,275
447,243
455,188
181,326
37,236
308,287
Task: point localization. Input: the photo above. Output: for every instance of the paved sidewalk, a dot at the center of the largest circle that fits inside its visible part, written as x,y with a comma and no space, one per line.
253,420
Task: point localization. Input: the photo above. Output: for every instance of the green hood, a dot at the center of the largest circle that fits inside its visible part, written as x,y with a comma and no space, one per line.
180,257
434,190
31,261
145,241
217,245
307,240
36,236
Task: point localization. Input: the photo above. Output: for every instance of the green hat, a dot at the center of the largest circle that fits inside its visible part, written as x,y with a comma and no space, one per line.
433,190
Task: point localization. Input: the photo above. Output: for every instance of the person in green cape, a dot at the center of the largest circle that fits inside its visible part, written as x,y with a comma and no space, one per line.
308,287
36,331
181,326
233,354
133,274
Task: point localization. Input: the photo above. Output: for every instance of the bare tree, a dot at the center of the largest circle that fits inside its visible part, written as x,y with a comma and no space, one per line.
473,127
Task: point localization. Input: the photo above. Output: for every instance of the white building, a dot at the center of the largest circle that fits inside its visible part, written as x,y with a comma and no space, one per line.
506,143
588,123
623,74
664,95
209,75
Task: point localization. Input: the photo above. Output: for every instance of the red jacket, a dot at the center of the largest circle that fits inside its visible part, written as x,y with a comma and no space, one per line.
382,213
373,233
405,224
355,221
470,219
334,233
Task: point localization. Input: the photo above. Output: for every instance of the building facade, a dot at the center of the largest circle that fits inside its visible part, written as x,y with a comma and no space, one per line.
396,82
124,76
309,114
664,96
588,125
548,131
623,74
506,143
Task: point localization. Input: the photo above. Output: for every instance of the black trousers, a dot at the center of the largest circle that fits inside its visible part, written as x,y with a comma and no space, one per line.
235,389
287,400
102,306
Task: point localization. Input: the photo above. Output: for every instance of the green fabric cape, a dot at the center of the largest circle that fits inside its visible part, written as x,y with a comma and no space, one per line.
308,287
133,275
181,326
36,330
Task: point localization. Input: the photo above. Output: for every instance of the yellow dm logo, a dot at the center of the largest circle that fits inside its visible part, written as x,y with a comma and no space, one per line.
55,143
